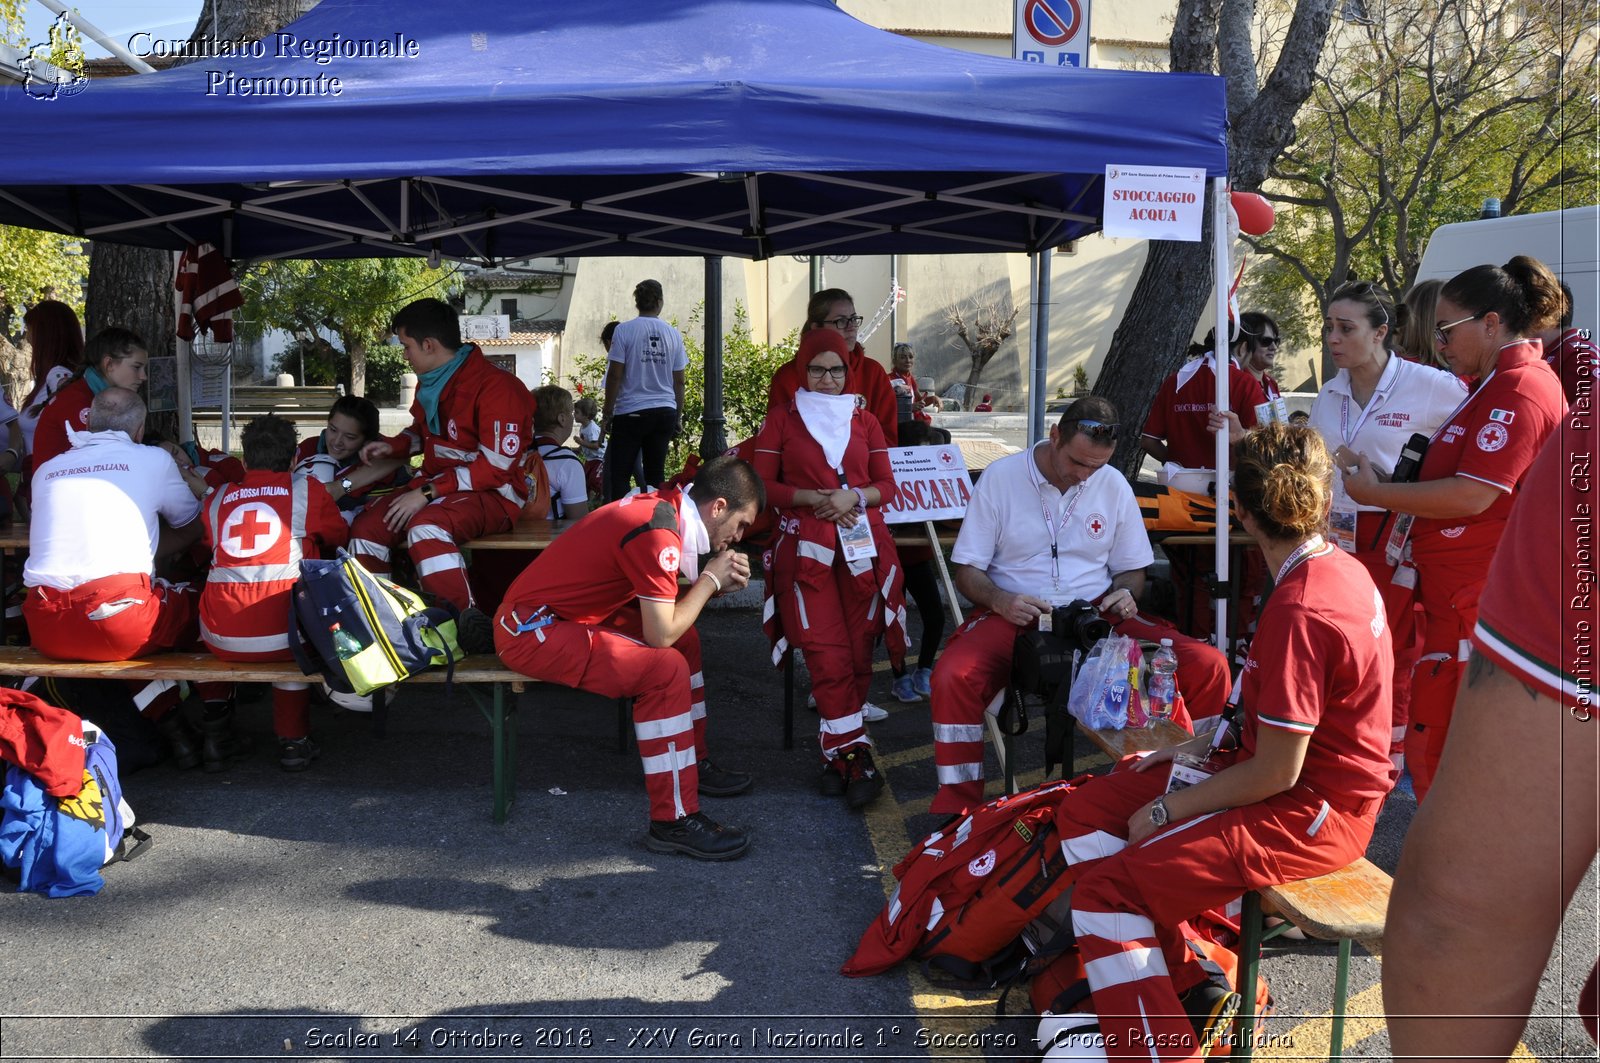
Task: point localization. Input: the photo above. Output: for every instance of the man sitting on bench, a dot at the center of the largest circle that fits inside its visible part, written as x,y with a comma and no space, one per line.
599,611
92,595
1044,528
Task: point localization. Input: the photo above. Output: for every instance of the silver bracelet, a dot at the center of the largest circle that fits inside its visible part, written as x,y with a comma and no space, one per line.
708,574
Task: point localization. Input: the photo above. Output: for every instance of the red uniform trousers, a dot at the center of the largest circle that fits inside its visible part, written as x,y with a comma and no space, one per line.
1448,592
837,638
1126,901
611,659
1399,603
113,618
432,539
975,668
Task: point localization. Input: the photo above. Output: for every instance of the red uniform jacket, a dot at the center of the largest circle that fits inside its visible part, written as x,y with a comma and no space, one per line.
807,547
68,408
258,531
485,421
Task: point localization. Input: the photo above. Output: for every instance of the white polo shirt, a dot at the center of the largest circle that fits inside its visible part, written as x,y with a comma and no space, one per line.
1410,397
90,505
1015,513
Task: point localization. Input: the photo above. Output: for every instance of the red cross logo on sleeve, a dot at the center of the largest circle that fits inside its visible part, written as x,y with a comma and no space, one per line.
250,530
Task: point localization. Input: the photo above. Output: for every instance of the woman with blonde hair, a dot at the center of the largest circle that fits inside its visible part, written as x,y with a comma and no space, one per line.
1296,797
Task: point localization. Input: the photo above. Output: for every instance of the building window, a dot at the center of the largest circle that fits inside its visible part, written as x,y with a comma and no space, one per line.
509,307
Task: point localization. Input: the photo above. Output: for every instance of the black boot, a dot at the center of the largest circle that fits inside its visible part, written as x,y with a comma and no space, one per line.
181,740
218,741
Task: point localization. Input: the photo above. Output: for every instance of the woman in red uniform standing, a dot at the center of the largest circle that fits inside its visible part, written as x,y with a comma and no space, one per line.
1483,323
1298,798
834,582
832,309
114,358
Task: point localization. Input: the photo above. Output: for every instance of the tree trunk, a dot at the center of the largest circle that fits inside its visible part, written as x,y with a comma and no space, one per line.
1154,336
358,366
248,20
131,287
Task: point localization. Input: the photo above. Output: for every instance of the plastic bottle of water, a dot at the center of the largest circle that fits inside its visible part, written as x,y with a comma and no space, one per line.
344,643
1162,693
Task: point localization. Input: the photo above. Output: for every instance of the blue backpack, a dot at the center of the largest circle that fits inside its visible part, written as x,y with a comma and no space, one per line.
58,845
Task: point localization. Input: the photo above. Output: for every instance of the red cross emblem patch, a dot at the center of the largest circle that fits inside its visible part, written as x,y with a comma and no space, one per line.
668,558
250,530
1096,524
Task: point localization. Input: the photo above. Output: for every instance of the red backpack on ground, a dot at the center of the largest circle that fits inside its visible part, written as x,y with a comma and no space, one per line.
967,892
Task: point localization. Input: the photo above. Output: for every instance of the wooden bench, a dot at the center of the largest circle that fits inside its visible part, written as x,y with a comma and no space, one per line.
265,397
498,709
1346,906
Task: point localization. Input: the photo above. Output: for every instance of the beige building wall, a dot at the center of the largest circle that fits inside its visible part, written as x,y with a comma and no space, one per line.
1090,287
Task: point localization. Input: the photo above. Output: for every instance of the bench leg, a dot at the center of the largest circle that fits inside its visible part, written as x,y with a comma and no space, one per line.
380,712
1251,923
503,728
1341,993
788,700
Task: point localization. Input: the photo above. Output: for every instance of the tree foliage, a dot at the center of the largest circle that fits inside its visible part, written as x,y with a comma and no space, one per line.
1422,111
354,298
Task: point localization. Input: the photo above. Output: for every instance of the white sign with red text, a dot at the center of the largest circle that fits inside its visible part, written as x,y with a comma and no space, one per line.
1154,202
930,483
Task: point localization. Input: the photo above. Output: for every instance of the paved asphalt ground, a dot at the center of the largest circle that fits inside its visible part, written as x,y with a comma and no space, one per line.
369,908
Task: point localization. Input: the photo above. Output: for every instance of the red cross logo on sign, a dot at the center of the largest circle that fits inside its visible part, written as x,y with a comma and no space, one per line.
251,529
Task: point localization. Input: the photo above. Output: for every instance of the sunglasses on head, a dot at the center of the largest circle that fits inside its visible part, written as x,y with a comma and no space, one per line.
1099,431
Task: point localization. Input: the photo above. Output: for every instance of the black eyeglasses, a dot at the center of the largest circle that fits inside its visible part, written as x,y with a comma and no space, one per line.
820,371
1441,334
843,322
1099,431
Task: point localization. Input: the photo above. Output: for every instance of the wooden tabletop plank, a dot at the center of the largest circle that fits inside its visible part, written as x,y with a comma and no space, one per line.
21,660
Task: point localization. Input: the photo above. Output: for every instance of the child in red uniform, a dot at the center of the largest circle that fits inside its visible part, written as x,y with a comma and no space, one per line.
114,358
258,531
1298,799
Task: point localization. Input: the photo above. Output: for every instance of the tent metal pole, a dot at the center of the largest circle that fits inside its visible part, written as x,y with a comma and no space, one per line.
100,37
1038,387
714,437
894,317
1219,244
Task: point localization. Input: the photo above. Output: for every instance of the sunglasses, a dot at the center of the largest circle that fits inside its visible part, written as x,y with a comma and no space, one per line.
1267,341
820,371
843,322
1099,431
1441,334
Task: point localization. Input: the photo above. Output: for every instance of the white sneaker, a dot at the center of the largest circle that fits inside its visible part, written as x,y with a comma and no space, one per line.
348,702
872,713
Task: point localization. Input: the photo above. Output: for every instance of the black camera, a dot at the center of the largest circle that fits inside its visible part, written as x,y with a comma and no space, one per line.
1080,624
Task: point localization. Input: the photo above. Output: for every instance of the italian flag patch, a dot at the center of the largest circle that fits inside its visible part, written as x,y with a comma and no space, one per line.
1503,416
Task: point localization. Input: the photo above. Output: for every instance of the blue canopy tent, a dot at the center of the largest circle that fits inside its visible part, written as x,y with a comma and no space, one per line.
505,131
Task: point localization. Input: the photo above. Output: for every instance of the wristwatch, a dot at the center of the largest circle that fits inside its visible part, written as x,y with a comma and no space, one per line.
1159,816
347,485
427,491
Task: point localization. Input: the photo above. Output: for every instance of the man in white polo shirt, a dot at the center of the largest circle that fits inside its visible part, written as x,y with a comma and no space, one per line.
1046,527
92,595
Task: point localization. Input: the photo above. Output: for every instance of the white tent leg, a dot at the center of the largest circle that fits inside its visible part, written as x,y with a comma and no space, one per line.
1223,271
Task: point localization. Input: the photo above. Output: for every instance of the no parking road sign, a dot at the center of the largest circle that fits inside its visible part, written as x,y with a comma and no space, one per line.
1052,31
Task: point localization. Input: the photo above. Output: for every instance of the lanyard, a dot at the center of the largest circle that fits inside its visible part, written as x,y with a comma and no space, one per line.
1309,548
1054,530
1468,401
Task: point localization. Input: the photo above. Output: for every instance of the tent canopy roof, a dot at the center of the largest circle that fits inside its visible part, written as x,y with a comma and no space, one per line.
507,131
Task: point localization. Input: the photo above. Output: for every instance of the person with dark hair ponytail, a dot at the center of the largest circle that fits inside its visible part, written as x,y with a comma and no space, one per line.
51,329
115,357
1487,321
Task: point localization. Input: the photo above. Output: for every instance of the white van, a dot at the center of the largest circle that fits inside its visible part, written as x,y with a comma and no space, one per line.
1568,241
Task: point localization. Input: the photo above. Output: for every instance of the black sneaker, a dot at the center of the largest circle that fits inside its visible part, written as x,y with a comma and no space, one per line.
718,782
831,782
1211,1007
698,836
296,754
862,784
475,631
